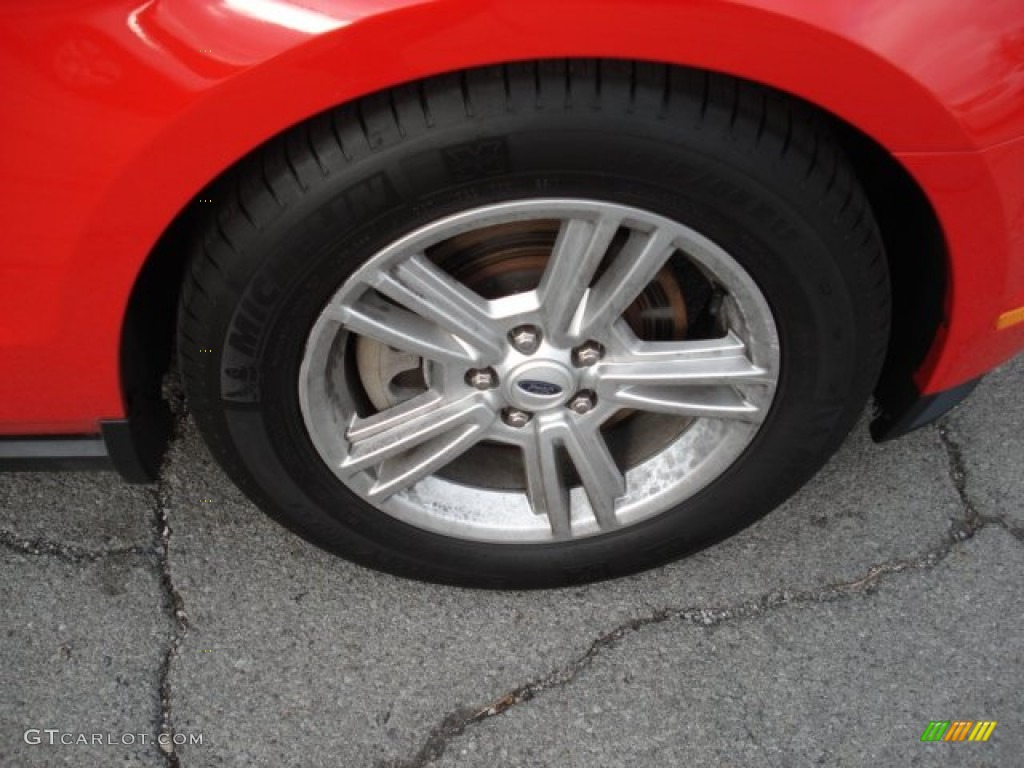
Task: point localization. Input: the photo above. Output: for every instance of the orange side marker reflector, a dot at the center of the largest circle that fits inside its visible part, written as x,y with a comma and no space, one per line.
1012,317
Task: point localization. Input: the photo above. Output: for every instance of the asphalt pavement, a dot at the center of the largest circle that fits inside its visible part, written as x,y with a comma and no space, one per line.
175,625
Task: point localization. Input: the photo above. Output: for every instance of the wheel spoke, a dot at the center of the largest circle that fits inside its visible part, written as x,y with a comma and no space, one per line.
545,487
414,439
699,402
641,258
425,289
602,479
577,253
686,378
396,327
548,494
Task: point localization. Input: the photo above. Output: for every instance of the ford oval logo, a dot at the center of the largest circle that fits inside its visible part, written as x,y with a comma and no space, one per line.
542,388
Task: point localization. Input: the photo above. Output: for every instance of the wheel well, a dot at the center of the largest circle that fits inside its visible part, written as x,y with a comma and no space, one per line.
918,262
918,265
148,334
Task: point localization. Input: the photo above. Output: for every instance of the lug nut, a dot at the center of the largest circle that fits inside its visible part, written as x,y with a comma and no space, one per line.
482,378
525,338
582,403
516,418
587,354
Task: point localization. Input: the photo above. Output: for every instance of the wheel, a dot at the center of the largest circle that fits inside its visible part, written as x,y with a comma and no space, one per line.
533,325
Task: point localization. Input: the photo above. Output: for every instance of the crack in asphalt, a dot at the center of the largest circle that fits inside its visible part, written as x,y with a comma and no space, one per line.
458,721
1016,531
957,469
67,552
173,604
959,475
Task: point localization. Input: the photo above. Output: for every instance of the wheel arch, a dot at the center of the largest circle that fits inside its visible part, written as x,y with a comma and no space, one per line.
740,39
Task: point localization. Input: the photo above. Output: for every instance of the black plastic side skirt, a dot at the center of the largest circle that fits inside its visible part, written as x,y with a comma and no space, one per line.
908,409
137,444
133,447
65,453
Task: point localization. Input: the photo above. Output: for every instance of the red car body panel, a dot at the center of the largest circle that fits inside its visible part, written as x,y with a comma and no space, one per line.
118,112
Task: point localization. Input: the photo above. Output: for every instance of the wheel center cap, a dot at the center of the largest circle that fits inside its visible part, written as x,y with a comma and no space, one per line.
539,388
539,384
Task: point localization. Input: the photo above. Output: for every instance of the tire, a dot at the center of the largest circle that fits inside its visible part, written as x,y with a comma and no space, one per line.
735,323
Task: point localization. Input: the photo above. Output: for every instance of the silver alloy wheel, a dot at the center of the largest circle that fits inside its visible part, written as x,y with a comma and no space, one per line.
481,378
